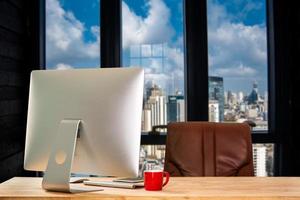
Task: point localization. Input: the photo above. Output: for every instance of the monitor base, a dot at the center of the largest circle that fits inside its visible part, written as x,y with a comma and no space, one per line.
58,171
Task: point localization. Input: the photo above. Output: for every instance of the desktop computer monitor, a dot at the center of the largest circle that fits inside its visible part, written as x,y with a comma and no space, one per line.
108,103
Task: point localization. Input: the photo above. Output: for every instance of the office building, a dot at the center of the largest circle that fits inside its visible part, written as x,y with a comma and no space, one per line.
146,120
155,109
266,102
213,110
216,92
175,108
240,97
260,160
253,96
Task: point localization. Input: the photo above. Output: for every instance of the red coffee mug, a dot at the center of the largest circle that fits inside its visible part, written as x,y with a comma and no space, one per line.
153,179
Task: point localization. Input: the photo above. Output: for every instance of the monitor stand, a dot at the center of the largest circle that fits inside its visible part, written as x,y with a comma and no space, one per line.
58,171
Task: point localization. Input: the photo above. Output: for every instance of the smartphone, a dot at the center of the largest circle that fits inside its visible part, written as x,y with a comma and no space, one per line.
129,180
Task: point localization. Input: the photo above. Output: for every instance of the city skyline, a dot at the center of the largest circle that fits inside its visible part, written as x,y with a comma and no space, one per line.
160,108
176,90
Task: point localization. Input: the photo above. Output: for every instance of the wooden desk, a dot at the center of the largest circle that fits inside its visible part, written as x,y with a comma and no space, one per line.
211,188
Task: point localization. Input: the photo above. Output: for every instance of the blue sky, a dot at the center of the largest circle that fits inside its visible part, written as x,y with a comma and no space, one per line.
236,33
86,11
249,12
237,43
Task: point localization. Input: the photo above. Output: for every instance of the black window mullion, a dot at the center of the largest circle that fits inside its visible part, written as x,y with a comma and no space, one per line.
111,33
35,33
196,72
271,67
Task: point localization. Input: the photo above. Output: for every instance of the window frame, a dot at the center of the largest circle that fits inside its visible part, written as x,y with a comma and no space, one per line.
196,71
195,60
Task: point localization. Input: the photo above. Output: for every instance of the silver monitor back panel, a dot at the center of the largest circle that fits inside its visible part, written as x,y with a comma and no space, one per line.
109,104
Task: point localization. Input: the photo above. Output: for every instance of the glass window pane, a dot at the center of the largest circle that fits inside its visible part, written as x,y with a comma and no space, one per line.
153,39
263,158
152,157
72,34
157,50
135,62
135,51
146,50
238,68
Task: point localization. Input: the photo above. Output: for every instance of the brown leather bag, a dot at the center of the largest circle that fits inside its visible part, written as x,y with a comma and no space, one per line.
209,149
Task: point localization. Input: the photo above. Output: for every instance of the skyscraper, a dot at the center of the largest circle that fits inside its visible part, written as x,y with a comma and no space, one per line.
155,109
146,120
259,160
216,92
153,90
175,108
240,97
253,96
213,111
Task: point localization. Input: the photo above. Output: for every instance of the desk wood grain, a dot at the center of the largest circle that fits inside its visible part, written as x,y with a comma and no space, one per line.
212,188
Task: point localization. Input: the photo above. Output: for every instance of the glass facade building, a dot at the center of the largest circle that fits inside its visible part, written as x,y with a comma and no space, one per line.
216,95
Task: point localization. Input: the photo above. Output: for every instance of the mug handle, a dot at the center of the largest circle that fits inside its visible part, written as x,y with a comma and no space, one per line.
167,176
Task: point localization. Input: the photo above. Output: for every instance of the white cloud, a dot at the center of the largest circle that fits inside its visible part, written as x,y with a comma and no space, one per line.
235,49
65,38
231,44
154,28
63,66
216,14
234,46
236,71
